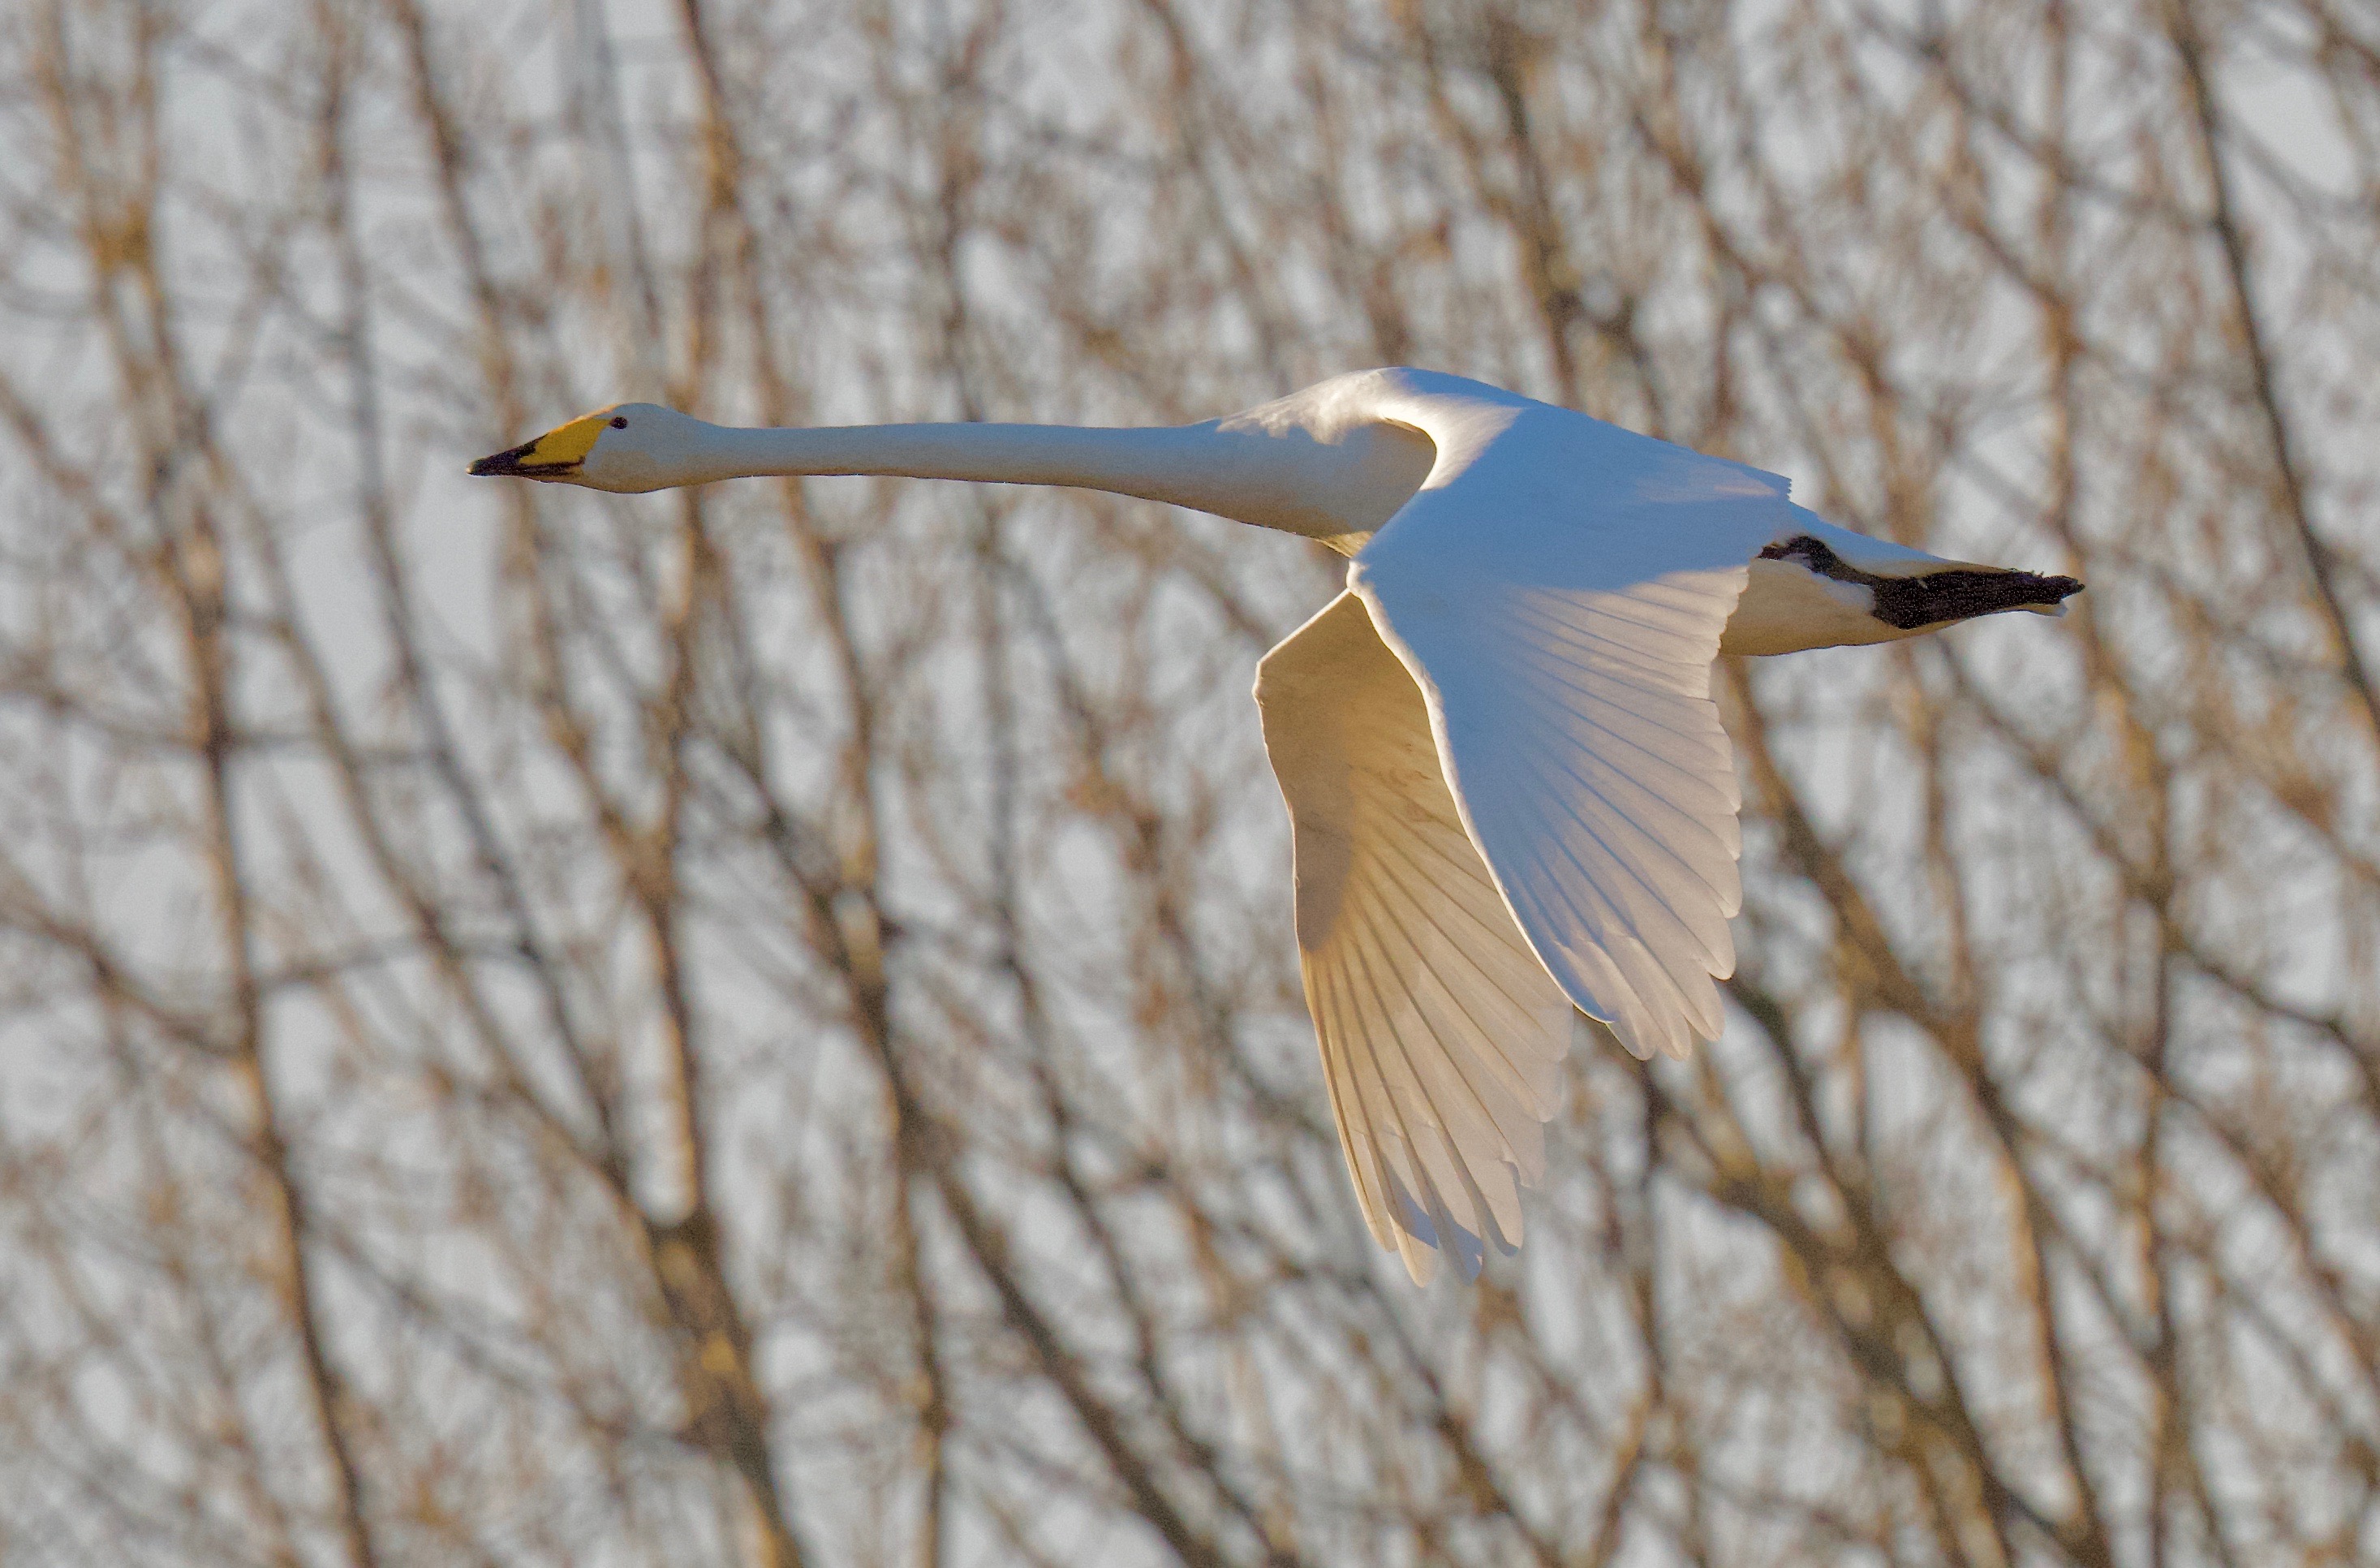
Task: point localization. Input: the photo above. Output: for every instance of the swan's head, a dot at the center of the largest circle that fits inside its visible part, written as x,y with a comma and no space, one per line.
626,448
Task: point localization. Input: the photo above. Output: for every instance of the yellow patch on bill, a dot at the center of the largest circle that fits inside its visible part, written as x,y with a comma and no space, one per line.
565,445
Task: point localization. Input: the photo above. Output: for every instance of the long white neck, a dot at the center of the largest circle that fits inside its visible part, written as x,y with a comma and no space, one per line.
1284,480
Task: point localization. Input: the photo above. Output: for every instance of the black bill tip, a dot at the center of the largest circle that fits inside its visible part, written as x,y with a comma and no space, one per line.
503,464
514,463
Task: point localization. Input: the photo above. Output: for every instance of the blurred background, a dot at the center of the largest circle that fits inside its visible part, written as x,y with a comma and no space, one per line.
761,1026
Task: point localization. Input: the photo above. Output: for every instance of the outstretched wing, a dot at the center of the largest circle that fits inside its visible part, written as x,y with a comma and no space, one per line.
1441,1032
1558,589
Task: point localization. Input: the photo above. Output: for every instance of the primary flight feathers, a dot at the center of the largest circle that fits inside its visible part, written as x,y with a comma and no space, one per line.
1508,785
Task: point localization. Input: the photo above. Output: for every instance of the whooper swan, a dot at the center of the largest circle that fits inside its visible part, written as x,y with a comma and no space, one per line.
1507,787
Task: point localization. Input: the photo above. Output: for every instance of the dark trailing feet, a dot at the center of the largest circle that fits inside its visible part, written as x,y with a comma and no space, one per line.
1958,593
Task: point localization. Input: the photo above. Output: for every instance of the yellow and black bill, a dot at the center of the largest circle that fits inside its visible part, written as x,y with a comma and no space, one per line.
555,455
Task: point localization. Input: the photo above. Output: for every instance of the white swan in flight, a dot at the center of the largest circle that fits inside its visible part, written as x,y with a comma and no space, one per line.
1509,790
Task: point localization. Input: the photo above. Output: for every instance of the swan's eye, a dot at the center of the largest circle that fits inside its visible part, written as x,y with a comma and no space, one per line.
619,421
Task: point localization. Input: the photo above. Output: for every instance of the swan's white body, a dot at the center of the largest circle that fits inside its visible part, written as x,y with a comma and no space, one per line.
1507,785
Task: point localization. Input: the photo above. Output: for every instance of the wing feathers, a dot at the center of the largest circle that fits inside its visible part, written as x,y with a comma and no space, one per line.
1509,790
1599,787
1680,826
1565,653
1649,875
1441,1033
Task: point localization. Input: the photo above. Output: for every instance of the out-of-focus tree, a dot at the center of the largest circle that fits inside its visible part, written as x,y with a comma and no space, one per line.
760,1024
